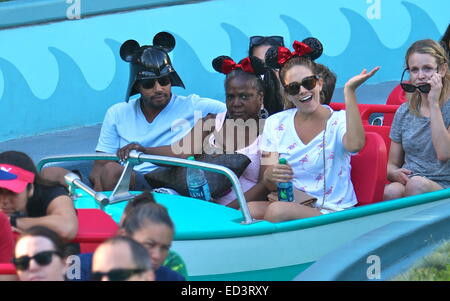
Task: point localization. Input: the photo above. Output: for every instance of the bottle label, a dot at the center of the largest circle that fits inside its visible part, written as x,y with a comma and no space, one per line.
285,194
200,192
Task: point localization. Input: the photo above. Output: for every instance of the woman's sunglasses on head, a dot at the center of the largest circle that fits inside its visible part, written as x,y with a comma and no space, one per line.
116,274
272,40
150,83
309,83
42,258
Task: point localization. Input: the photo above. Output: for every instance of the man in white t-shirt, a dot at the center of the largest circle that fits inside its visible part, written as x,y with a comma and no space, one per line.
158,117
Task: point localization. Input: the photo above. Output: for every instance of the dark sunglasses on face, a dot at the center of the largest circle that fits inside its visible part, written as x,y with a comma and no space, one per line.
116,274
309,83
410,88
150,83
42,258
272,40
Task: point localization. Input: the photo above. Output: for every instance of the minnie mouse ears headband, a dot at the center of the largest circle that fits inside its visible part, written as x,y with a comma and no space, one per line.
309,48
163,41
225,64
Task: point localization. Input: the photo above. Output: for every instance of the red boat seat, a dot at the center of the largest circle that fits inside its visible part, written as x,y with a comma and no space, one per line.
369,169
94,227
365,110
383,131
396,97
7,269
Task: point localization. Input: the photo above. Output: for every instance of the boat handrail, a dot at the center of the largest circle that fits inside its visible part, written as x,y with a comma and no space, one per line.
138,158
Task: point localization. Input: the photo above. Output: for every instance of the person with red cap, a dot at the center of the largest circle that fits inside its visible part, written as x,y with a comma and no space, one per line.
30,201
6,238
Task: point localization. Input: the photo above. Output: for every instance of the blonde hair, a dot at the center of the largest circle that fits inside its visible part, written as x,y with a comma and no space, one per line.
434,49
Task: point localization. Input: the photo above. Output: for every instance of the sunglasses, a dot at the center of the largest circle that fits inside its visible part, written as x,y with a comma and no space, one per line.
150,83
116,274
309,83
42,258
410,88
272,40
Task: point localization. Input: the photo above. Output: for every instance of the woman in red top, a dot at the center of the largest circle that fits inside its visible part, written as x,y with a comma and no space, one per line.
6,239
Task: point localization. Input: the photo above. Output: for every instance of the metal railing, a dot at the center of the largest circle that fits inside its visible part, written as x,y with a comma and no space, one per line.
121,191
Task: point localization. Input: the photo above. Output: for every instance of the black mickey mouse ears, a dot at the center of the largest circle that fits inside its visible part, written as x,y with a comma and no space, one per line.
162,40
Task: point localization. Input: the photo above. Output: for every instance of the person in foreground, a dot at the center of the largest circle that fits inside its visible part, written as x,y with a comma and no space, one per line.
316,141
420,133
149,224
122,258
6,239
29,200
40,255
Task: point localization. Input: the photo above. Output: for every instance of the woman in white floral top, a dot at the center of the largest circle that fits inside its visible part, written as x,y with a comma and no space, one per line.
316,141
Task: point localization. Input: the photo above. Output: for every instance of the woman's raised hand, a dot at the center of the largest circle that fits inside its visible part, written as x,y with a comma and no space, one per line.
359,79
436,87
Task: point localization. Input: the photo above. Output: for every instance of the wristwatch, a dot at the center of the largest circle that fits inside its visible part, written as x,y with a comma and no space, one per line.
13,218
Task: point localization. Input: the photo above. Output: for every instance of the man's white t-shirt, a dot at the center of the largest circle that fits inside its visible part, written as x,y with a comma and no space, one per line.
125,123
307,160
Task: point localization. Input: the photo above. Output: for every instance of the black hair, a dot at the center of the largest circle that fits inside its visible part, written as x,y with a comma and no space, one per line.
267,42
139,253
329,83
58,243
445,40
144,198
141,215
23,161
263,79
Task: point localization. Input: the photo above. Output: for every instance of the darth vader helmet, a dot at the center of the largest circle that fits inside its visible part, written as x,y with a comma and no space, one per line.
149,62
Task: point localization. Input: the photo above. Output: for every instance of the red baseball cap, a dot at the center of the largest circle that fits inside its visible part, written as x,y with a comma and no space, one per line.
15,178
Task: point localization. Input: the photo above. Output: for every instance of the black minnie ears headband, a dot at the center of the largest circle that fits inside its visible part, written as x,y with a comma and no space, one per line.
163,41
309,48
252,64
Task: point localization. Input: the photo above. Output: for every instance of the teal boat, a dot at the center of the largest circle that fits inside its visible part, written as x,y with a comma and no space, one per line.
220,243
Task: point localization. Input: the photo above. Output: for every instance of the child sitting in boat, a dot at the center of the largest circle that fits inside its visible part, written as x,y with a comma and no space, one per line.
420,133
316,141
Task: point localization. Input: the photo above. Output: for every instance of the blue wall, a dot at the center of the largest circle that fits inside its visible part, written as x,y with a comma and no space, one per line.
66,74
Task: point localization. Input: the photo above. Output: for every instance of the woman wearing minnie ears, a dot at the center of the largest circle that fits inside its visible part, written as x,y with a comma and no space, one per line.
420,133
244,99
316,142
273,98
